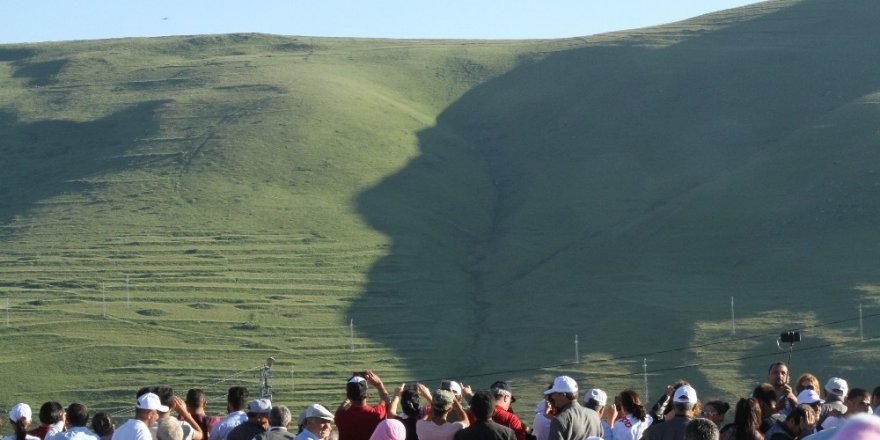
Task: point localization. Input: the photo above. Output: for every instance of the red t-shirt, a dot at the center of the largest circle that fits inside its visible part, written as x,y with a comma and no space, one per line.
358,421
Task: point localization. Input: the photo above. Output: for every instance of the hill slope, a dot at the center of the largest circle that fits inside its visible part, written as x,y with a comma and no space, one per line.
177,209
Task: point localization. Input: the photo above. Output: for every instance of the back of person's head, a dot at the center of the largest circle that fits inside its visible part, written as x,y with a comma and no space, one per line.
409,403
20,417
77,414
807,381
766,397
195,398
169,429
280,416
237,397
50,413
796,415
718,406
594,398
356,389
102,424
483,405
632,404
165,393
747,418
701,429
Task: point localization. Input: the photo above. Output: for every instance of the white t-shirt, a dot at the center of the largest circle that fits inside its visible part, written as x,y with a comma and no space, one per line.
133,429
227,424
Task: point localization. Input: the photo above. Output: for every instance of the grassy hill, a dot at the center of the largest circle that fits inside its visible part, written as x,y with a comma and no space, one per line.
177,209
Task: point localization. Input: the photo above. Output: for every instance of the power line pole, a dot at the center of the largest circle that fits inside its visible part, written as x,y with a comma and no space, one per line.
645,370
732,318
577,358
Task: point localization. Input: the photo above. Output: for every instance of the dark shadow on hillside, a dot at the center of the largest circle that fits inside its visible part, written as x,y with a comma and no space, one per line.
621,201
43,159
40,73
15,54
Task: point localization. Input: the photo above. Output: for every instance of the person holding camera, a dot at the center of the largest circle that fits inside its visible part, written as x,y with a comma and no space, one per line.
627,417
435,425
777,376
407,396
355,419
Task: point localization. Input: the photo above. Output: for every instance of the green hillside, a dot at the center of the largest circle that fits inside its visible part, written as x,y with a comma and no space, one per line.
177,209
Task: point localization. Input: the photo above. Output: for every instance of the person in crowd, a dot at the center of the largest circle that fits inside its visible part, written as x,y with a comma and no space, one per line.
389,429
778,378
701,429
279,422
51,420
798,424
627,417
317,424
746,422
435,426
236,400
196,405
258,421
503,415
595,399
684,402
857,402
406,396
20,419
77,419
544,414
766,397
460,392
715,411
807,381
835,391
810,398
355,418
188,425
103,425
572,421
875,401
662,409
146,413
483,427
169,429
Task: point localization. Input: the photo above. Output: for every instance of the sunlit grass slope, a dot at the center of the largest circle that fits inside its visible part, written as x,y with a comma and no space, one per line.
177,209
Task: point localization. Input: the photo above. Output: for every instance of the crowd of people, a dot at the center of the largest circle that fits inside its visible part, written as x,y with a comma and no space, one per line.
772,411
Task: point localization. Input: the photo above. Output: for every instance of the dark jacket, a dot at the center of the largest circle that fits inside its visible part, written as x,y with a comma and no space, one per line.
485,430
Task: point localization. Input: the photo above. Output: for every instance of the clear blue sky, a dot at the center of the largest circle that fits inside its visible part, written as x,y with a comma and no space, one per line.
54,20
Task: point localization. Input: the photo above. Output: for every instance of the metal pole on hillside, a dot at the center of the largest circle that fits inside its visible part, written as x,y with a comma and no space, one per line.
7,311
861,326
645,370
103,300
732,318
351,336
577,358
127,293
265,388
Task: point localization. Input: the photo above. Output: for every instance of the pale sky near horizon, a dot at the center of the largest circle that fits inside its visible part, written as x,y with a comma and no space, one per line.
60,20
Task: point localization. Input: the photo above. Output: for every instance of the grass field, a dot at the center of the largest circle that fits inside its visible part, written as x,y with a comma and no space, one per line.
175,210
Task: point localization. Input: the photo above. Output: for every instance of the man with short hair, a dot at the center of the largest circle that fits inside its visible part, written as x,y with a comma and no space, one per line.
257,422
279,422
573,421
51,419
77,417
799,423
503,394
483,427
236,400
683,402
356,419
145,414
701,429
317,423
196,404
777,376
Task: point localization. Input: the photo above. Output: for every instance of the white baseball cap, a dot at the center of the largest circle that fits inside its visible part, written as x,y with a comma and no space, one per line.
596,394
563,384
259,406
685,394
808,397
20,410
455,387
837,386
151,401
